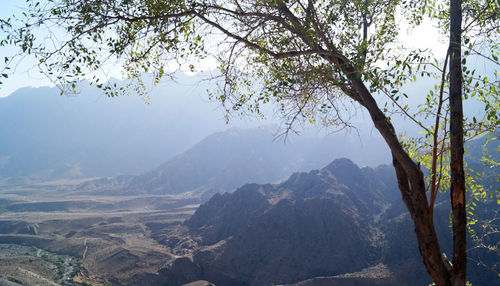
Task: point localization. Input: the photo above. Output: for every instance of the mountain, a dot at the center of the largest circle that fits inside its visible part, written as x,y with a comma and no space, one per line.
341,181
46,136
224,161
340,225
313,224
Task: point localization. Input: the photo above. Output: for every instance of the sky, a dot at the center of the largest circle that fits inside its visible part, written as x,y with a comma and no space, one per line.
27,74
24,75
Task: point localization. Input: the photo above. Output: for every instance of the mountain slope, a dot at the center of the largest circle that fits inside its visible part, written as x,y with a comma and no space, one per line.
314,224
224,161
332,224
50,136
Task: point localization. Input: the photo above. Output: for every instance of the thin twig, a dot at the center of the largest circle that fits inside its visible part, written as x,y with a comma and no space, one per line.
435,139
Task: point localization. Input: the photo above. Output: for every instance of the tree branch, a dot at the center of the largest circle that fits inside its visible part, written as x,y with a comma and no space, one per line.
435,138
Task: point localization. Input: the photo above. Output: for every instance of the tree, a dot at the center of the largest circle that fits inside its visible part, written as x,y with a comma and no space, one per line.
457,186
315,60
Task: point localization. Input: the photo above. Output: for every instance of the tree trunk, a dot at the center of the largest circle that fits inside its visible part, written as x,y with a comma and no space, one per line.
457,186
410,178
412,187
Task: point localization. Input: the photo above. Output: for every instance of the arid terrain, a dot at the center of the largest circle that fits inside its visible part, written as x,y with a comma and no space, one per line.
340,225
106,237
183,223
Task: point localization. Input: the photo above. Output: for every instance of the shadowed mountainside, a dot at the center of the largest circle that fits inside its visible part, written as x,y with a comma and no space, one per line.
314,224
329,224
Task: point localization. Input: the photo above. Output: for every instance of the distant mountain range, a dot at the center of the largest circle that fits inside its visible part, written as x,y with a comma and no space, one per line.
46,136
50,136
223,161
339,225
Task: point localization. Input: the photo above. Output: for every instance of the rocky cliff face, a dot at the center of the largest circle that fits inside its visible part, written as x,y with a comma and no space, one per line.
226,214
293,240
314,224
330,223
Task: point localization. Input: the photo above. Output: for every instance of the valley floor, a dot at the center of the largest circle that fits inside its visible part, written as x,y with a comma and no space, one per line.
106,237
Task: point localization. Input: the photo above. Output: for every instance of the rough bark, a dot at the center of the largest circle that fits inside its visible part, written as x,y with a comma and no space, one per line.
410,178
412,186
457,186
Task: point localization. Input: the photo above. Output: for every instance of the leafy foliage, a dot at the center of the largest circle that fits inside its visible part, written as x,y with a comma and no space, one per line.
314,60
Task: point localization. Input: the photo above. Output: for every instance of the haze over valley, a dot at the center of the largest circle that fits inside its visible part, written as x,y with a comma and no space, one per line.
114,191
48,136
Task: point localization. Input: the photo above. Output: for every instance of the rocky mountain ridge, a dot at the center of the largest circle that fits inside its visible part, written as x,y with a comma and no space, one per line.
313,224
330,222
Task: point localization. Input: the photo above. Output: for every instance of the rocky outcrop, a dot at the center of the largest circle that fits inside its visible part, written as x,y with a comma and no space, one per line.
18,227
378,275
293,240
199,283
226,214
314,224
341,225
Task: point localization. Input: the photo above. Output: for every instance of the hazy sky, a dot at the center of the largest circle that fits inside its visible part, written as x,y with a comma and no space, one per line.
26,73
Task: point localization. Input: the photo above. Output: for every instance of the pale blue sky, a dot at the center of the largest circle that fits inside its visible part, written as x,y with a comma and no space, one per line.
26,73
